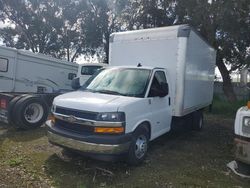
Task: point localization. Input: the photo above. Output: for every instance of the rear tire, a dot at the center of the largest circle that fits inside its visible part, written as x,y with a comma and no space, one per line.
198,121
31,112
12,108
139,146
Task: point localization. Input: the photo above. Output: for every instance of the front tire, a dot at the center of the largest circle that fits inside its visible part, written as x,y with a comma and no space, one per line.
139,146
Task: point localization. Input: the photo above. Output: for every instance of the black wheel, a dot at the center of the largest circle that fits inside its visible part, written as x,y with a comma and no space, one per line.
31,112
198,121
139,146
11,109
243,168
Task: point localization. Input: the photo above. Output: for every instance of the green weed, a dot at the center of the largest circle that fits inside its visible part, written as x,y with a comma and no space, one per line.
15,161
226,108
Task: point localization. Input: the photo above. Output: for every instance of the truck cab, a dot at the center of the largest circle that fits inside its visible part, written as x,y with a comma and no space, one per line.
118,112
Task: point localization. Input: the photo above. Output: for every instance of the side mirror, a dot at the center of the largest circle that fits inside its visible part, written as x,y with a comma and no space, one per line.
75,84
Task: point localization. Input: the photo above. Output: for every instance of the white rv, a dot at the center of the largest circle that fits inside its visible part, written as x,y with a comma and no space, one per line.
158,76
28,84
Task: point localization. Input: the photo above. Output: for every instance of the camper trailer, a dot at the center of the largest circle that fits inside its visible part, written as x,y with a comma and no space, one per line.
28,84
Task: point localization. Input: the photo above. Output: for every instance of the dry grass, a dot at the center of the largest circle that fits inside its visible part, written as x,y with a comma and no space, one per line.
183,159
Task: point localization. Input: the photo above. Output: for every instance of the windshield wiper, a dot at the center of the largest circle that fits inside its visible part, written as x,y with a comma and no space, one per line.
109,92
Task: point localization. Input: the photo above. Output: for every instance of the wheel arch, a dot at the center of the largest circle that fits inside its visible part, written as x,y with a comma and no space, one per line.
144,123
47,98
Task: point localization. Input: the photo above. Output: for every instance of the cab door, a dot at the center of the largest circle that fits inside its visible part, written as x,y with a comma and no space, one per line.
160,106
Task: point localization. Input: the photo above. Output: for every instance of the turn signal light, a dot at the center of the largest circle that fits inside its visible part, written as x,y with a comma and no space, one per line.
248,104
3,103
109,130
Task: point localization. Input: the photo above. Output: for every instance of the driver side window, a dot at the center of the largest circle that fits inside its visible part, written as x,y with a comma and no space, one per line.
158,79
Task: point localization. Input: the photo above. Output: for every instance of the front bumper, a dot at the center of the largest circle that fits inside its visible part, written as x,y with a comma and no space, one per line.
242,152
92,144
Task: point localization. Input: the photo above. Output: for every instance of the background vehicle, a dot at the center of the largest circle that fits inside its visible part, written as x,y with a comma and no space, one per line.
86,70
242,131
168,76
28,84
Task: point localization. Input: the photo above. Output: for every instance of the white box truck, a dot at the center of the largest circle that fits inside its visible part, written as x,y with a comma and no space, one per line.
158,76
28,84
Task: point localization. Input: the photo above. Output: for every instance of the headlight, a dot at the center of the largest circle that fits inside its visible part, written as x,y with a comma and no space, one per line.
111,116
246,121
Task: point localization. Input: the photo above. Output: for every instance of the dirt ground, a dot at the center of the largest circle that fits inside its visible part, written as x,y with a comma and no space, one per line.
182,159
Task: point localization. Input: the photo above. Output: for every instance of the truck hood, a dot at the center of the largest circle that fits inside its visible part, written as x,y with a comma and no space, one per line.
94,102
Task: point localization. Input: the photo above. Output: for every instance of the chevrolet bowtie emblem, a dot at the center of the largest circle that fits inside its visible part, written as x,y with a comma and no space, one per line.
71,119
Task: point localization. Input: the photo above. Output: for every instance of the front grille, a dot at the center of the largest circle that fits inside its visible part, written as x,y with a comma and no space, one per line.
74,128
246,129
76,113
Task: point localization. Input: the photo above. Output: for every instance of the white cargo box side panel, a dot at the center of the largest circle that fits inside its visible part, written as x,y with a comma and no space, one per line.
199,74
33,71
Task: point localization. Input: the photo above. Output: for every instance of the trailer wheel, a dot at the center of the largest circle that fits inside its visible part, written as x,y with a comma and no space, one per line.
31,112
139,146
12,108
198,121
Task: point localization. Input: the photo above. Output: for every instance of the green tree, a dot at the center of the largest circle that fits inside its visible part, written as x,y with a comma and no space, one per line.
147,13
60,28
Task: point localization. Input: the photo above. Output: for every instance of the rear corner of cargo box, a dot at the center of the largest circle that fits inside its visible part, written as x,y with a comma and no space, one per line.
199,74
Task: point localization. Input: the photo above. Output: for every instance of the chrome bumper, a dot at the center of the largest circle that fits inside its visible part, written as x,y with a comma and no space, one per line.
86,147
242,152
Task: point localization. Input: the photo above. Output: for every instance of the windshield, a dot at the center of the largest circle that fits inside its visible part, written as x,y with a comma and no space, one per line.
122,81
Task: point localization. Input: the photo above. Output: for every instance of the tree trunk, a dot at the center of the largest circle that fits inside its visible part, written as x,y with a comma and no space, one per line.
68,53
106,48
227,84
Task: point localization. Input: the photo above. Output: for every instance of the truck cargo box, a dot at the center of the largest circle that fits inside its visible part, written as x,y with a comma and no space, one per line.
189,60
